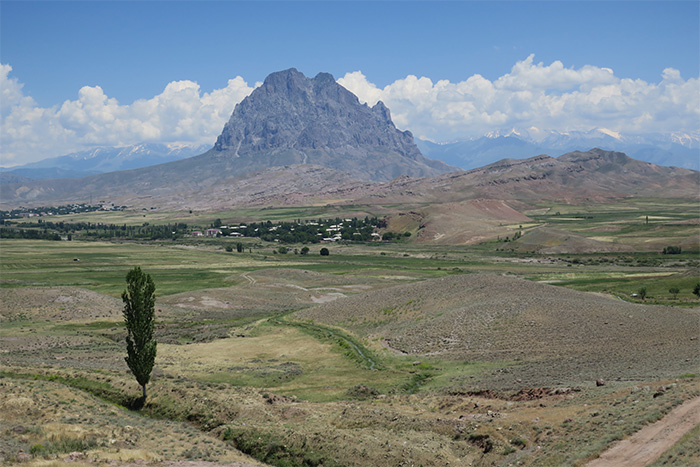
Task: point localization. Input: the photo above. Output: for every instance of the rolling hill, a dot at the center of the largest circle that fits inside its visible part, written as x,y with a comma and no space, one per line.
545,329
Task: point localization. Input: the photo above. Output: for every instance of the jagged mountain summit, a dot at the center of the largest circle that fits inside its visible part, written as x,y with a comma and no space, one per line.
292,119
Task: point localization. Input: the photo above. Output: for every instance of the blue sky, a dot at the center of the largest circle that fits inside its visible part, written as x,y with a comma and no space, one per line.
132,51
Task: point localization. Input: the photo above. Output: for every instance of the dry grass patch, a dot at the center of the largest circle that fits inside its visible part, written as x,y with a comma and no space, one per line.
43,422
282,359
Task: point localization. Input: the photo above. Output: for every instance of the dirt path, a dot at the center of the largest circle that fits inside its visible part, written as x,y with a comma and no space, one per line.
250,279
646,445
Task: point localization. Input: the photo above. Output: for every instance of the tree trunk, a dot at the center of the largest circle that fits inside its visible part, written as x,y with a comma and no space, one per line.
143,386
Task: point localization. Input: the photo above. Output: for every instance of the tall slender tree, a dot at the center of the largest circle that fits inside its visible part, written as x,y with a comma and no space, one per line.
139,317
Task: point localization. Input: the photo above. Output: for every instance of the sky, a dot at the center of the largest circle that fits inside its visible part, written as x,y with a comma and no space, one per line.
75,75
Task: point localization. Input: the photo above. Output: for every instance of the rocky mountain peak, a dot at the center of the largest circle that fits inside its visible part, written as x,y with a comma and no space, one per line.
293,119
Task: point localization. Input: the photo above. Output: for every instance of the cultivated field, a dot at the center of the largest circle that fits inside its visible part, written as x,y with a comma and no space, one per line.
405,353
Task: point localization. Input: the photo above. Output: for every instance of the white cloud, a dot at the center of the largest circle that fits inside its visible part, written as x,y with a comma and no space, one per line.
181,114
536,95
11,92
551,97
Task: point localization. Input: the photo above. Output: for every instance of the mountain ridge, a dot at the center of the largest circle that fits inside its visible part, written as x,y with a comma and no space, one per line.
104,159
292,119
593,174
679,150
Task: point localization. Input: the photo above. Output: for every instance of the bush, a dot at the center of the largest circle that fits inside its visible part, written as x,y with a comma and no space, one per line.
229,248
305,250
62,445
642,293
325,252
519,442
362,392
672,250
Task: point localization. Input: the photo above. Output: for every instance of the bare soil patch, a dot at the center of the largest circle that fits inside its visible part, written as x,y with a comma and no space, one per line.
57,304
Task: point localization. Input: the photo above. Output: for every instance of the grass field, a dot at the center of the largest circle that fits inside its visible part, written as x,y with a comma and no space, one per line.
358,358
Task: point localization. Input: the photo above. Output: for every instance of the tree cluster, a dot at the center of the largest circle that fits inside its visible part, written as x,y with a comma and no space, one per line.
92,230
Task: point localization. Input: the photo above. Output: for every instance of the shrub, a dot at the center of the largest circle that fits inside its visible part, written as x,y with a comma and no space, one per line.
642,293
672,250
324,252
62,445
519,442
362,392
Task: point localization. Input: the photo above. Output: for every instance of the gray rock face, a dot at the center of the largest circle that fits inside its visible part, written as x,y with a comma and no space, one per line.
292,119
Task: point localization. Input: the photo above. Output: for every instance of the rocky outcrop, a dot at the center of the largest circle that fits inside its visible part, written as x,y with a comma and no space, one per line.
292,119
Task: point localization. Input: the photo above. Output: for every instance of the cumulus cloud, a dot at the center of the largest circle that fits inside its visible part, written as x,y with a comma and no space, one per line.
182,114
550,97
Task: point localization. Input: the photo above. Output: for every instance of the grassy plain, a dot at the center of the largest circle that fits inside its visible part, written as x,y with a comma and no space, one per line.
241,368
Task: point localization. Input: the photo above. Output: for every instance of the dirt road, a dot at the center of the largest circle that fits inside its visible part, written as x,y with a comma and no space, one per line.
645,446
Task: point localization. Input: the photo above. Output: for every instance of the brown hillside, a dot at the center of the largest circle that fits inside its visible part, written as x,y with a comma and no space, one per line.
467,222
545,240
555,333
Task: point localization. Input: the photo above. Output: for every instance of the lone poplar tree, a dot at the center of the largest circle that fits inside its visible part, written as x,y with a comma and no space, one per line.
139,317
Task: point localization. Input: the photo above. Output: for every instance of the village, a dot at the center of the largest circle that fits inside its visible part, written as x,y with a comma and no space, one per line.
300,231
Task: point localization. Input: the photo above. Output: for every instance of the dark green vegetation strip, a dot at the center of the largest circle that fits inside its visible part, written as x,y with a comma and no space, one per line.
273,450
418,376
348,345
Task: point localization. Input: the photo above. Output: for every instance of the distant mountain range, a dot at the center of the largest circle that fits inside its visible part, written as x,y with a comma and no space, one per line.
100,160
679,150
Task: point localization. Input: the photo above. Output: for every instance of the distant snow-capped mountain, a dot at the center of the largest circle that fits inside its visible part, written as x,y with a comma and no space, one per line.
105,159
677,149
